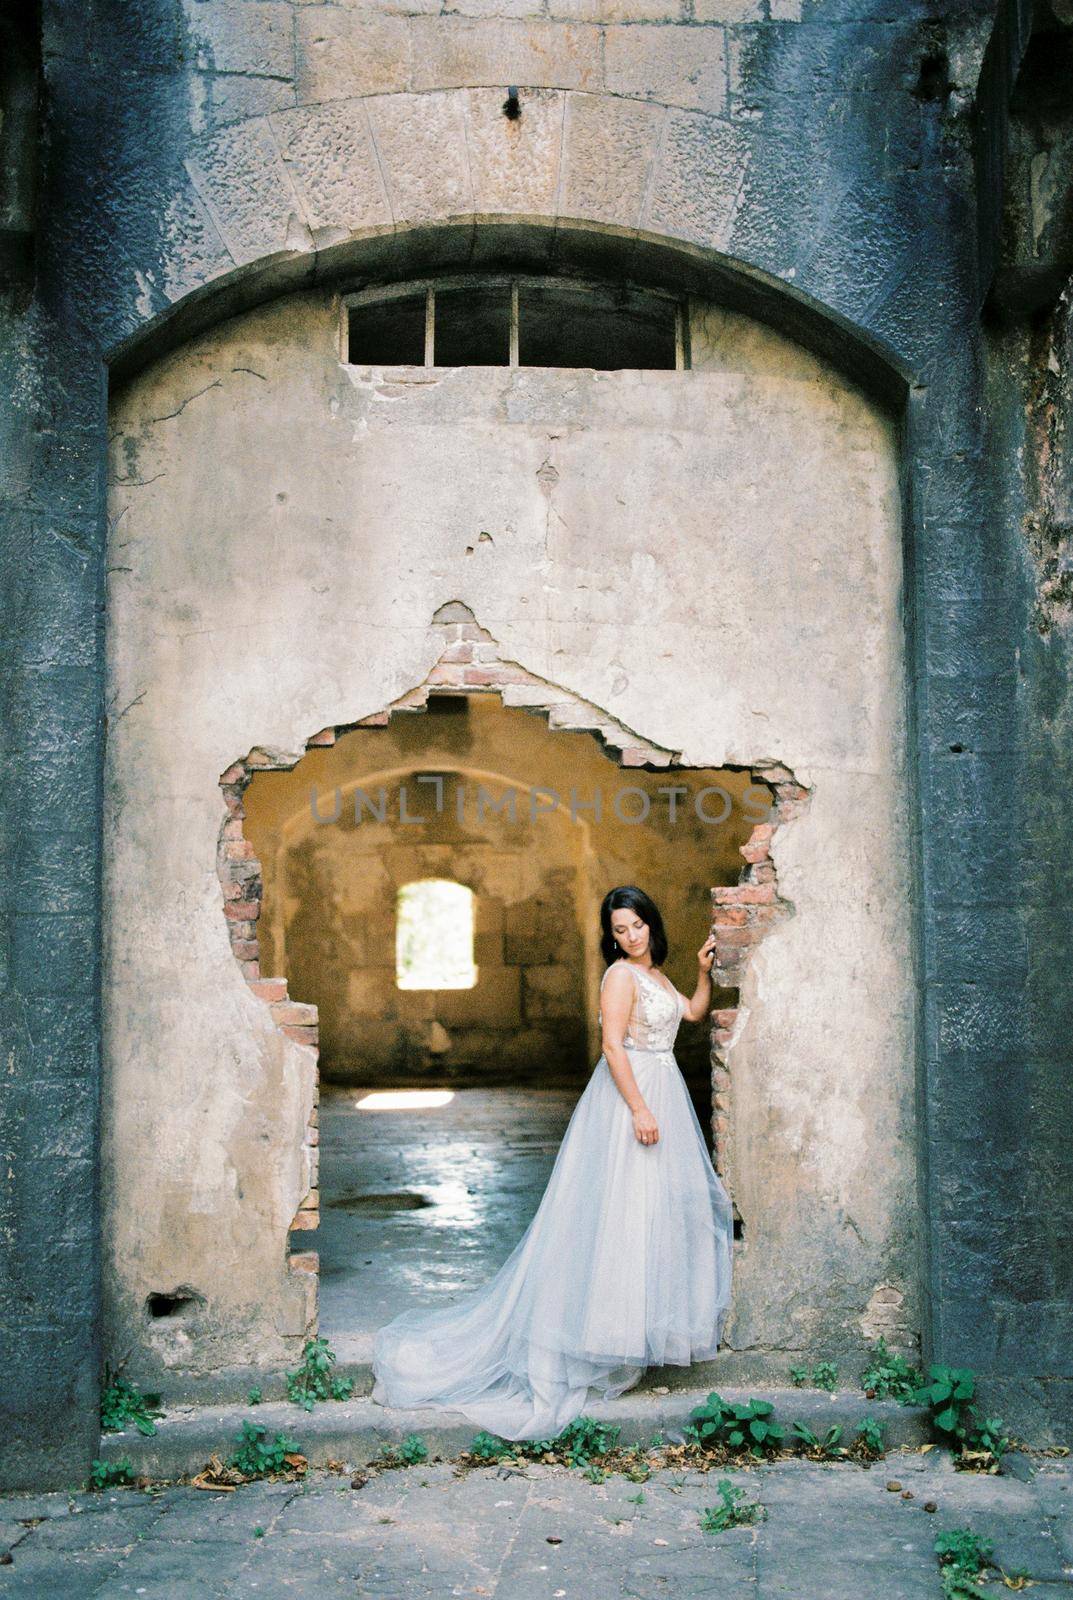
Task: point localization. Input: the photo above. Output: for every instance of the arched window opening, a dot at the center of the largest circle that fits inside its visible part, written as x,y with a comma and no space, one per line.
501,321
434,935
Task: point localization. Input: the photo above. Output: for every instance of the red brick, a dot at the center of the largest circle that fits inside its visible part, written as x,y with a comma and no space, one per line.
234,774
232,829
633,758
303,1261
311,1201
238,850
301,1035
233,802
295,1012
730,917
326,736
243,910
379,719
245,949
250,969
270,989
303,1220
462,651
745,894
485,675
726,1019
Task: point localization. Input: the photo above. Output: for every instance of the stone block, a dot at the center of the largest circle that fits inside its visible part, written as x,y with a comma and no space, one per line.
342,53
243,184
732,10
609,146
242,36
695,190
192,251
676,66
617,10
329,151
421,142
514,164
453,53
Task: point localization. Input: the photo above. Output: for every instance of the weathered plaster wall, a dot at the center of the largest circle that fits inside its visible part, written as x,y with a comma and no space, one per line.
713,556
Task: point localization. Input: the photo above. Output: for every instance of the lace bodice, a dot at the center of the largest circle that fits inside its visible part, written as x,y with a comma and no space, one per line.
655,1013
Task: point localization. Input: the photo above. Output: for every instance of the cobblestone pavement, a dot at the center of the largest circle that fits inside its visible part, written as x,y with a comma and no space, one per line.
540,1532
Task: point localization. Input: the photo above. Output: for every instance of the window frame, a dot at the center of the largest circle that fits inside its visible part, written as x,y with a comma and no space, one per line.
404,289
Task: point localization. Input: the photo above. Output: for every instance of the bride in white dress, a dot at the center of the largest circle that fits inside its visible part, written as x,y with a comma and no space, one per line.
627,1261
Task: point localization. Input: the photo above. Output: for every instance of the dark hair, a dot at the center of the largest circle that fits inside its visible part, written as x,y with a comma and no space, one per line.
628,898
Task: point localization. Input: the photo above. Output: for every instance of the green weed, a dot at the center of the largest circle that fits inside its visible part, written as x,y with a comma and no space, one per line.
110,1474
258,1457
577,1445
121,1403
732,1510
824,1375
718,1422
868,1439
313,1380
963,1558
825,1449
949,1394
890,1376
410,1453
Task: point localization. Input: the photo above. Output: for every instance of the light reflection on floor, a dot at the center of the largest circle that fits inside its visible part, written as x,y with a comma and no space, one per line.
482,1159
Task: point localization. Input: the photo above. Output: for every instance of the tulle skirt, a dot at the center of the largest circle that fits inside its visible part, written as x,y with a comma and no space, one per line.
625,1264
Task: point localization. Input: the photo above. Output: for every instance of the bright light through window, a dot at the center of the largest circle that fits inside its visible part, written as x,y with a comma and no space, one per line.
434,936
403,1099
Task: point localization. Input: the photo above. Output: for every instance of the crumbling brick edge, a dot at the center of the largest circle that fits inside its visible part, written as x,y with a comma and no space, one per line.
470,663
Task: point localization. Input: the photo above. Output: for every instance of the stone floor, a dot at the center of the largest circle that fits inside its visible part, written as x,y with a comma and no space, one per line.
831,1532
481,1163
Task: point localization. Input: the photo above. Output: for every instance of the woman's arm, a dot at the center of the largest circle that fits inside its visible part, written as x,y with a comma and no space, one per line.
699,1004
616,1003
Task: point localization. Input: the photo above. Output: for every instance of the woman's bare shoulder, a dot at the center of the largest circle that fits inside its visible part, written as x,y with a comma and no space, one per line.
617,976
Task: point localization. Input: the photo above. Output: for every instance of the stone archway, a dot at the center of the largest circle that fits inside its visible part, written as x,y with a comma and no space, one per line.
749,617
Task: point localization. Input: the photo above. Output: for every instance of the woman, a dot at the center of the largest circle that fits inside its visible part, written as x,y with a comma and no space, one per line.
627,1261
